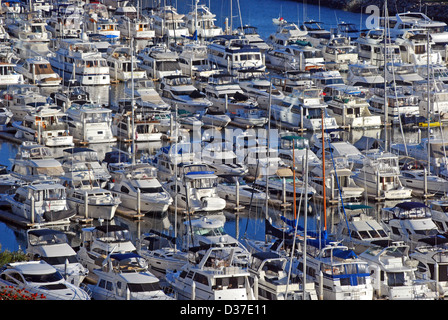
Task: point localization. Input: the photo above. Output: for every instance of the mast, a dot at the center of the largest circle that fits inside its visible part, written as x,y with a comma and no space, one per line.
386,107
324,192
132,100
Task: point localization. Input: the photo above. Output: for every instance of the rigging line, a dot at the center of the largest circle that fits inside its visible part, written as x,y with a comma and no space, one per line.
251,198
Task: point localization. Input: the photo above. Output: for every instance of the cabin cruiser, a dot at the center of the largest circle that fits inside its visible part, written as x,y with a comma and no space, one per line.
138,28
129,279
140,183
122,64
292,151
219,279
98,242
394,273
235,189
423,182
195,190
194,62
42,203
371,48
256,85
220,158
169,23
410,222
81,61
416,49
169,157
364,75
339,52
439,212
9,76
40,280
37,70
296,57
201,21
52,247
179,91
45,126
90,123
29,29
285,34
316,33
402,74
251,34
159,61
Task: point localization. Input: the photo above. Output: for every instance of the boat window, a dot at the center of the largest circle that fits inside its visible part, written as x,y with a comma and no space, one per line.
229,283
42,278
152,190
60,260
200,278
144,287
395,279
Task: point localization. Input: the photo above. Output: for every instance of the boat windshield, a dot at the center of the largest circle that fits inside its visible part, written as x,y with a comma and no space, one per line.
50,238
43,278
144,287
347,271
60,260
203,183
209,232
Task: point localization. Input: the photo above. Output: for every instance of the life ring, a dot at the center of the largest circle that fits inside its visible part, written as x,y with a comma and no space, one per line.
79,96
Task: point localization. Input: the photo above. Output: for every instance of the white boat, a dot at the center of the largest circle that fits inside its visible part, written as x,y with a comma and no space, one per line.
237,190
421,182
129,279
285,34
216,278
339,52
273,283
65,26
250,116
159,61
379,175
196,189
214,118
122,66
29,29
194,62
52,247
168,157
293,154
234,54
338,274
98,242
304,109
437,107
220,157
5,117
439,210
415,48
75,59
40,280
358,229
38,71
302,57
139,128
261,161
202,22
96,25
432,264
209,231
65,96
317,35
386,263
90,123
169,23
410,222
46,127
9,76
256,85
179,91
324,79
371,48
402,74
138,28
251,34
41,203
364,75
140,182
161,253
224,91
350,108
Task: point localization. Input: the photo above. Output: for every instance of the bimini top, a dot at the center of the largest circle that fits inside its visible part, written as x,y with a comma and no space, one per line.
410,205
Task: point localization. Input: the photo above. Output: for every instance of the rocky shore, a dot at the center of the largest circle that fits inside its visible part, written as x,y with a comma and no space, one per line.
433,9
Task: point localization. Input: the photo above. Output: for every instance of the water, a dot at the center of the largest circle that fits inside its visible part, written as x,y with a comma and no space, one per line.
258,13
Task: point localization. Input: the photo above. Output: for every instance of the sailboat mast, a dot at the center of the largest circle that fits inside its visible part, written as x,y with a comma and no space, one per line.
132,103
386,107
324,192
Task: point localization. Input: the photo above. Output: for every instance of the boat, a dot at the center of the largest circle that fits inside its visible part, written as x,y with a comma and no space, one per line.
122,64
140,183
159,61
389,261
358,229
90,123
221,158
46,127
64,97
348,30
194,62
339,52
100,241
251,34
317,35
178,90
75,59
39,280
195,189
201,21
436,109
273,279
138,28
285,34
41,203
29,28
37,70
161,253
304,109
51,246
302,57
402,74
97,25
213,277
364,75
168,157
234,54
256,85
423,182
214,118
291,80
293,154
410,222
237,190
169,23
415,48
8,74
439,213
371,48
251,116
140,126
128,278
379,175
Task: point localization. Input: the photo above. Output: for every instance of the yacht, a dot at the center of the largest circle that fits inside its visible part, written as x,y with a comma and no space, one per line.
96,25
169,23
42,203
128,278
380,176
46,127
364,75
122,66
140,183
9,76
194,62
394,273
437,107
80,60
40,281
179,91
37,70
296,57
196,189
159,61
348,30
52,246
221,158
138,28
234,53
202,22
423,182
237,190
304,109
285,34
410,222
293,154
29,29
212,278
339,52
100,241
251,34
371,48
168,157
439,210
90,123
256,85
402,74
138,128
414,48
317,35
64,97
